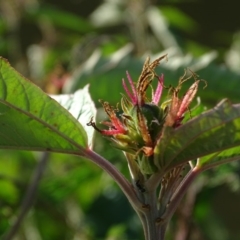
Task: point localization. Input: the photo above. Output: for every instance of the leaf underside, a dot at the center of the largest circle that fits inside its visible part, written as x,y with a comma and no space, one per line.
31,120
213,136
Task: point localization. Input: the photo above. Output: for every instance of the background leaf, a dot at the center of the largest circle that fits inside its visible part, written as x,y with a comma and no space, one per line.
105,76
31,120
61,18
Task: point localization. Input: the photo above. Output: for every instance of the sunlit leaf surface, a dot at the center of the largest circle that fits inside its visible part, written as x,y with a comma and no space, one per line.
81,106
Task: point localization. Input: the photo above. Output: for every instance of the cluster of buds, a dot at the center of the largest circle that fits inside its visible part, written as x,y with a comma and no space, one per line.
139,127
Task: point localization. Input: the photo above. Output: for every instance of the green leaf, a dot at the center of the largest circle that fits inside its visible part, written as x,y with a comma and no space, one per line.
212,160
217,130
179,19
81,106
31,120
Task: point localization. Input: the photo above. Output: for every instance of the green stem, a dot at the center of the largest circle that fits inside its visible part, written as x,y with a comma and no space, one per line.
147,210
151,216
143,219
162,231
180,192
154,181
122,182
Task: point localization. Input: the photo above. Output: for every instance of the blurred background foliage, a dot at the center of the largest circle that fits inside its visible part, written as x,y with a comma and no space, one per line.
64,45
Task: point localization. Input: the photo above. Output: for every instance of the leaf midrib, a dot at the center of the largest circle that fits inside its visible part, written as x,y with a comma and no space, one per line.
65,137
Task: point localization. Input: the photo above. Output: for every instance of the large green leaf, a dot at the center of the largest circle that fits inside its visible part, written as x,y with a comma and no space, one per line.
215,131
31,120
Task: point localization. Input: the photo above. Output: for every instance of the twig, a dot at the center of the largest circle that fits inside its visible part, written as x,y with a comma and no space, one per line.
122,182
29,196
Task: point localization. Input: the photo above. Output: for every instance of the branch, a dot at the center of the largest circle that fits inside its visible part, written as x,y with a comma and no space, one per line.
180,192
117,176
29,196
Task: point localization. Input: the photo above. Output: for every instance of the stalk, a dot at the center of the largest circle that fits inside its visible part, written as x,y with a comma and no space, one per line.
117,176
